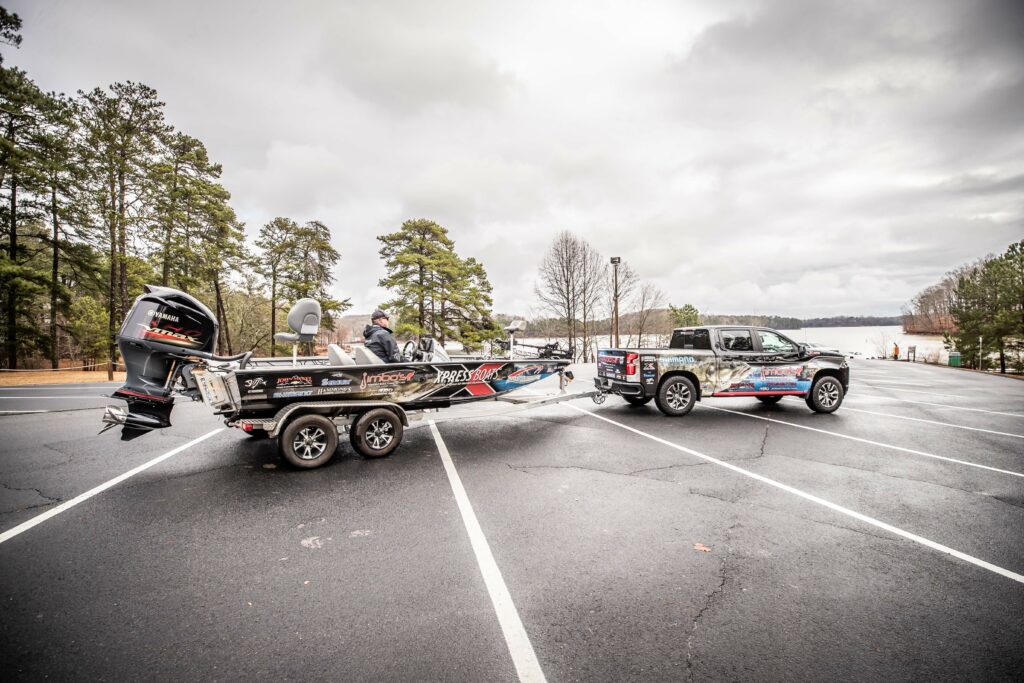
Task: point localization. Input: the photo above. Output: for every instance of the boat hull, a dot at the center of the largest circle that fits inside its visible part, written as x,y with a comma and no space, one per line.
411,385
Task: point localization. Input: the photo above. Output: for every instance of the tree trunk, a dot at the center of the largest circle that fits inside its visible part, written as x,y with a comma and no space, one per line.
273,308
122,246
53,277
112,289
169,230
12,298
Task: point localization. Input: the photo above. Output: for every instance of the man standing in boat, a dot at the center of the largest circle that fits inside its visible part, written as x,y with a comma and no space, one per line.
380,339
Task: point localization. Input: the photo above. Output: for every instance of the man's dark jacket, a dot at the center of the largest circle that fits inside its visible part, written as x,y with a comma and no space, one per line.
382,342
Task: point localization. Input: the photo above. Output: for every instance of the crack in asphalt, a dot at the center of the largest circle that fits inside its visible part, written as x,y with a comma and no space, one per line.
718,590
50,499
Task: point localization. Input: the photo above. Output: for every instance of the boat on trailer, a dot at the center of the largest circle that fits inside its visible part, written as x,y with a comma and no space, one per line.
168,339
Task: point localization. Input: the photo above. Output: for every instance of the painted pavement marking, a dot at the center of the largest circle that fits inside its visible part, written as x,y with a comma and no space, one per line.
523,656
874,397
67,505
867,441
815,499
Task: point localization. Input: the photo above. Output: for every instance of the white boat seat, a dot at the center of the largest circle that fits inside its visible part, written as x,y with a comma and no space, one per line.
338,356
364,356
304,319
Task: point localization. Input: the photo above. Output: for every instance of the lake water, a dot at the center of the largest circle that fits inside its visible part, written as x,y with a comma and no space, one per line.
867,342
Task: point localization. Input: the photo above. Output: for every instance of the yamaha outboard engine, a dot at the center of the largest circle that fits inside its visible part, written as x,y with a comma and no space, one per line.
164,327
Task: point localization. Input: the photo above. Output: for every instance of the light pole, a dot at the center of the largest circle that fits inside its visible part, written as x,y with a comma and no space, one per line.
615,298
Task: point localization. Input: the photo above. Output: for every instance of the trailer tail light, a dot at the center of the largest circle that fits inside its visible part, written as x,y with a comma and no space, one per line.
631,359
246,426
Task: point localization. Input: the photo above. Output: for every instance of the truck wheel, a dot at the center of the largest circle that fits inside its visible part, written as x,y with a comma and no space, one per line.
676,396
376,433
309,441
769,399
826,395
637,400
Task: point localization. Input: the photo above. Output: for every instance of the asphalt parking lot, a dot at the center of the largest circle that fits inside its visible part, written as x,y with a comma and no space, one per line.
572,542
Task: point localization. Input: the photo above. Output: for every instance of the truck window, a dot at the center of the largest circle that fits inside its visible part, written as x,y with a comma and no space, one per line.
737,340
774,343
690,339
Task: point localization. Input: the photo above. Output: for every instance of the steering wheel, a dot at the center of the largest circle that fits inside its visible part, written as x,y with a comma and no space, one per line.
409,351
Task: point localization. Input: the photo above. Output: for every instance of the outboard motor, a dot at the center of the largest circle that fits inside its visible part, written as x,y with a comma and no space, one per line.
164,327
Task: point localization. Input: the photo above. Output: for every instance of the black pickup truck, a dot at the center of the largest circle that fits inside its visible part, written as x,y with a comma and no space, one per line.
725,360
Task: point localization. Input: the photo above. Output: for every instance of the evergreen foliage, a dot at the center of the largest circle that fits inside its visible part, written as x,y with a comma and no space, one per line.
437,292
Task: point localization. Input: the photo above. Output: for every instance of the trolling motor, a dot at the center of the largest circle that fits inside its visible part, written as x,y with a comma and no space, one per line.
165,334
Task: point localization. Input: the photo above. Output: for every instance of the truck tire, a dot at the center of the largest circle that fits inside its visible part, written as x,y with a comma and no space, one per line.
637,400
309,441
376,433
826,395
676,396
769,399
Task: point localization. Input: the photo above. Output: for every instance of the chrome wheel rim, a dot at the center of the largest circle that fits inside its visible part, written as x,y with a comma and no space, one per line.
380,434
828,394
677,396
310,443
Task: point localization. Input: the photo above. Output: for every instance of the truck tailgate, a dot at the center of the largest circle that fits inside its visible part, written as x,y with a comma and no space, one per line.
615,364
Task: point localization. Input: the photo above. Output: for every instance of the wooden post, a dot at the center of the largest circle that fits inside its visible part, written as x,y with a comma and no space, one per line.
110,370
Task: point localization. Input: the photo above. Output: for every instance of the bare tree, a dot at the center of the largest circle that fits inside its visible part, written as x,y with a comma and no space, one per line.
593,285
558,288
648,299
627,283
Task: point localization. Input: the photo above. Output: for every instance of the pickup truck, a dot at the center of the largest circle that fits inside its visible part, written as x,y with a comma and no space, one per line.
724,360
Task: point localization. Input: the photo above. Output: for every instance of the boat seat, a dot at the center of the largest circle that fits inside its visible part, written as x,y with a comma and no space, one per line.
365,356
338,356
432,351
304,319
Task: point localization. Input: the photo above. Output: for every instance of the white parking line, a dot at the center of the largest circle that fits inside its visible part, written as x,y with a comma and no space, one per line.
67,505
916,391
29,398
523,656
820,501
875,397
19,412
934,422
867,441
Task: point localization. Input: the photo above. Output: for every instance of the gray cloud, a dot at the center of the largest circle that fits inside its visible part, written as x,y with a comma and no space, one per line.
804,157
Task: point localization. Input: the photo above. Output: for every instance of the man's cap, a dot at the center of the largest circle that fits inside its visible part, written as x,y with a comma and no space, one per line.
378,314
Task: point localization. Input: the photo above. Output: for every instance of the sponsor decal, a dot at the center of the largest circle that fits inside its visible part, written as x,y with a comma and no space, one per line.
259,395
163,316
783,371
256,383
480,374
335,390
295,381
531,373
396,377
171,335
328,382
292,394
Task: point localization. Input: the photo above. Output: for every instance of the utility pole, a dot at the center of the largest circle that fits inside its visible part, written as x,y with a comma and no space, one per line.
615,298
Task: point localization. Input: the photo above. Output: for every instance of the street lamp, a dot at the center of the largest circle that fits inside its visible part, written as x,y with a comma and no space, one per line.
615,298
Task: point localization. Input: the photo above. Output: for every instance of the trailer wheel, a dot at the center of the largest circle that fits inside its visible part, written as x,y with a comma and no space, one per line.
376,433
769,399
676,396
309,441
826,395
637,400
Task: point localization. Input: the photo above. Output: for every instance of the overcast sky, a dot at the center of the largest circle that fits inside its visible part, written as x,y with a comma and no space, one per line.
799,157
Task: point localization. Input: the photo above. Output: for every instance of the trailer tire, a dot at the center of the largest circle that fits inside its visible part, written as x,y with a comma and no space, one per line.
769,400
309,441
826,395
676,396
637,400
376,433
